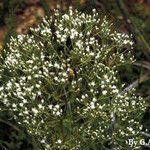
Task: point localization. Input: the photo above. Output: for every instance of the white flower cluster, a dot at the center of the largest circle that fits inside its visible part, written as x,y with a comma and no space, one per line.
121,39
61,83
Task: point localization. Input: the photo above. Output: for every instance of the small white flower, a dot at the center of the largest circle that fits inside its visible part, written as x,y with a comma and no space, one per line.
39,93
104,92
14,105
93,83
83,96
29,78
58,113
50,106
59,141
94,99
37,85
21,104
40,106
57,106
92,105
43,141
34,110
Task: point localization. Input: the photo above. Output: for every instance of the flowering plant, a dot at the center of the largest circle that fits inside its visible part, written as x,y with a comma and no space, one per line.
61,83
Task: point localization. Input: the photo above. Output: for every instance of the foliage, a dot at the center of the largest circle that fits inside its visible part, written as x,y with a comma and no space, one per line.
12,136
62,84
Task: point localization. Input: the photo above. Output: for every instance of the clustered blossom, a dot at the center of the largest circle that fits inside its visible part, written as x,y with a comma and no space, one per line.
61,84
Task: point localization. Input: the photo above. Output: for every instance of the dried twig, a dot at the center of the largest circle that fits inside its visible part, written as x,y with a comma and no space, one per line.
145,134
143,64
137,82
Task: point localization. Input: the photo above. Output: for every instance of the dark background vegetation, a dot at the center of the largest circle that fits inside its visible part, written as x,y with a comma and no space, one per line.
130,16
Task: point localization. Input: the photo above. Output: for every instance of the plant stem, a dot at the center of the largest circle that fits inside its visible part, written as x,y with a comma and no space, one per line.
10,124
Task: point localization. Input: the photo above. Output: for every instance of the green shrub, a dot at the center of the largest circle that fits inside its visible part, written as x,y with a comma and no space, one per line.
61,83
